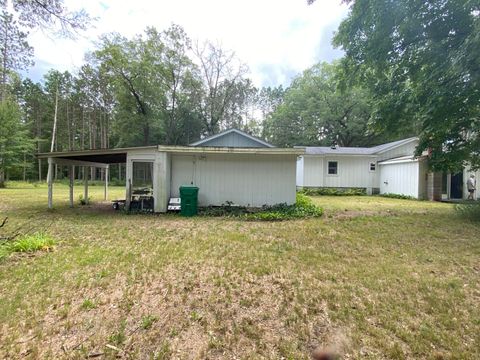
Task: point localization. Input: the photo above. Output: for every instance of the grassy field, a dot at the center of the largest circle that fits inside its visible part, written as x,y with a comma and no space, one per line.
374,278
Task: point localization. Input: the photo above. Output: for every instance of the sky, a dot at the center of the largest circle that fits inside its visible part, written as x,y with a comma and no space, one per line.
276,39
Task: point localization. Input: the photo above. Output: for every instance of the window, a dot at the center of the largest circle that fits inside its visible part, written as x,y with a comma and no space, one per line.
332,168
373,166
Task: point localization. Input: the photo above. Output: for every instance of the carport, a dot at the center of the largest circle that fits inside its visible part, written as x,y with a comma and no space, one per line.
101,158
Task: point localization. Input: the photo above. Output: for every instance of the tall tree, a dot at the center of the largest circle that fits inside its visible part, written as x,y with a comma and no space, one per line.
129,66
15,52
421,59
50,15
14,139
177,79
221,75
317,111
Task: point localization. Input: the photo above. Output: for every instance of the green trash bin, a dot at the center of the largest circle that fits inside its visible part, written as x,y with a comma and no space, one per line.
188,200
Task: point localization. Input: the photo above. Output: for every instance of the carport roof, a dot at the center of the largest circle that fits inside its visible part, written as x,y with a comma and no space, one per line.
104,156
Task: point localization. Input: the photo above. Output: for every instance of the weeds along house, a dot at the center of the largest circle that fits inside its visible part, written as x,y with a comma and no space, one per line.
231,166
389,168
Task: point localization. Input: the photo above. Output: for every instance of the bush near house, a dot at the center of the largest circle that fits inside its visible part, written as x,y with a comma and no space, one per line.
303,208
398,196
470,211
334,191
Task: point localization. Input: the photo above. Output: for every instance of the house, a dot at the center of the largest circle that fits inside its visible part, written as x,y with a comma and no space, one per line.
389,168
229,167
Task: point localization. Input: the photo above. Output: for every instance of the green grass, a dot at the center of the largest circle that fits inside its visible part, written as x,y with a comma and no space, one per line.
373,278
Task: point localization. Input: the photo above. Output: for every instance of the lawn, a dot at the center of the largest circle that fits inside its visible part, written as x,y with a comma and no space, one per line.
374,278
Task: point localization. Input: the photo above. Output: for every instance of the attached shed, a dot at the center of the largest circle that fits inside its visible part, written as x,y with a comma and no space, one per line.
232,167
404,176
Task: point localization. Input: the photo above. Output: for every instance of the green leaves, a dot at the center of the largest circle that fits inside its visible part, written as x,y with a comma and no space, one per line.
421,61
318,109
14,140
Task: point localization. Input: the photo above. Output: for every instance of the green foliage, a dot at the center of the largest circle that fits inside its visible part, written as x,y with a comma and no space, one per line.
470,211
334,191
398,196
83,201
303,208
16,52
148,321
88,304
420,59
317,111
14,140
119,336
28,243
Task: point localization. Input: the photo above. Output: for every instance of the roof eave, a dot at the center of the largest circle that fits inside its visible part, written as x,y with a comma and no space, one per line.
230,150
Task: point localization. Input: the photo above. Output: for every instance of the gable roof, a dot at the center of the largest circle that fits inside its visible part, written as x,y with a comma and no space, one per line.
321,150
252,139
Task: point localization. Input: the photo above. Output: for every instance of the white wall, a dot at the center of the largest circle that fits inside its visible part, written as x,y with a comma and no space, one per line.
352,171
244,179
300,171
400,178
313,171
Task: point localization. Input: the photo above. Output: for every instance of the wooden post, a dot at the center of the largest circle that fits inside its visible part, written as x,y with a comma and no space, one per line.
85,179
71,174
105,190
50,183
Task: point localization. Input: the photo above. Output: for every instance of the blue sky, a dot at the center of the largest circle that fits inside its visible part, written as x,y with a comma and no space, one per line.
277,39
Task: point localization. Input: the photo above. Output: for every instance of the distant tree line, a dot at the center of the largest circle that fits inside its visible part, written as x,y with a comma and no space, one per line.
410,68
160,87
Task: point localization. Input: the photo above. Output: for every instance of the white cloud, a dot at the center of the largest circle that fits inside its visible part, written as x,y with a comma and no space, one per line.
274,38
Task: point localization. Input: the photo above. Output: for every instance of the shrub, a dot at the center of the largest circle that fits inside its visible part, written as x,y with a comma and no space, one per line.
470,211
31,243
334,191
82,201
398,196
303,208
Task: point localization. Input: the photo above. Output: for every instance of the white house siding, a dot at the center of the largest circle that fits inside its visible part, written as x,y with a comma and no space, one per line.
403,150
352,172
244,179
300,171
400,178
313,171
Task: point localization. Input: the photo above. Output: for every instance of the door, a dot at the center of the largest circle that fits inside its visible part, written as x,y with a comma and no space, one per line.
456,186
